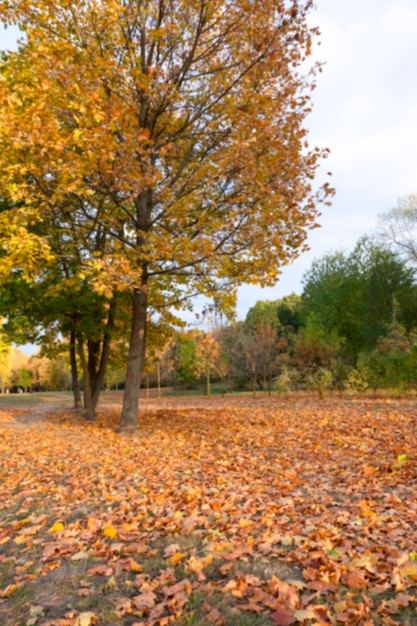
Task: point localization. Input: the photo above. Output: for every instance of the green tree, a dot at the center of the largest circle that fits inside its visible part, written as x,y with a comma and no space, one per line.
392,364
285,314
263,312
62,314
355,295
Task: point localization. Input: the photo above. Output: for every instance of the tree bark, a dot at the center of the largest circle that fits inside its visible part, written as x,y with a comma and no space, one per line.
158,378
74,372
208,389
99,374
90,413
135,362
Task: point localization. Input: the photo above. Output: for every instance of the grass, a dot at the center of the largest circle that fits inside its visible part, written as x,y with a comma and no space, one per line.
29,400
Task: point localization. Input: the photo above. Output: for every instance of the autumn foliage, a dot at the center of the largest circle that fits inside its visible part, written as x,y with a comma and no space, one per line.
216,512
157,149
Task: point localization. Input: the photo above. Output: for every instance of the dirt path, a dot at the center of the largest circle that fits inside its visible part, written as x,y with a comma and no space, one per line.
26,418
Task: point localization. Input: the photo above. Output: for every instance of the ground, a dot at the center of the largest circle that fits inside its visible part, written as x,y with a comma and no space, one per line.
240,511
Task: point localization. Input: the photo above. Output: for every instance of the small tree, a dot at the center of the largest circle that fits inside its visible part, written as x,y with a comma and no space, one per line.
231,340
314,354
208,359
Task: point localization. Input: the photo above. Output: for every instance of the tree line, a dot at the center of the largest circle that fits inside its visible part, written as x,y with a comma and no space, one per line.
353,328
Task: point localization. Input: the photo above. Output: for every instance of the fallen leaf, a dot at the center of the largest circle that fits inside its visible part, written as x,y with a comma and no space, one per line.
283,617
86,619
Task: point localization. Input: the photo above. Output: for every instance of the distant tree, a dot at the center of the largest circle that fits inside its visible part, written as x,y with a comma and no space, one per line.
285,314
231,339
315,349
263,312
208,359
184,356
25,378
50,373
291,314
392,364
397,228
260,348
355,295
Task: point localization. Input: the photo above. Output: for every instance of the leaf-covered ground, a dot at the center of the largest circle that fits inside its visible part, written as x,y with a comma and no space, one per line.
240,512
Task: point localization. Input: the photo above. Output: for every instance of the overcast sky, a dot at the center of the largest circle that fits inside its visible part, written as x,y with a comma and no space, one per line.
365,111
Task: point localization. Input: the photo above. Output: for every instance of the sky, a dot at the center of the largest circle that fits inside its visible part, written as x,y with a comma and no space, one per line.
365,112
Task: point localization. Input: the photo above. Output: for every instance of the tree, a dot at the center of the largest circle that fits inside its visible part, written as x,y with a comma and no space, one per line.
392,364
178,125
208,358
261,350
5,358
62,315
285,314
355,295
20,372
231,340
264,312
51,374
398,228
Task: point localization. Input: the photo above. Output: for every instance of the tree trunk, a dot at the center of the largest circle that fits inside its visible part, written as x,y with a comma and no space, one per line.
99,374
135,362
268,374
208,389
158,379
90,413
74,373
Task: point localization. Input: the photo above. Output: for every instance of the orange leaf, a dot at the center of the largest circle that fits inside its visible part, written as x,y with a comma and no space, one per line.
177,558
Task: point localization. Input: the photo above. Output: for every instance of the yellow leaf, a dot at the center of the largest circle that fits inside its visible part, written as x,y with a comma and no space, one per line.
76,135
110,532
244,523
57,527
409,570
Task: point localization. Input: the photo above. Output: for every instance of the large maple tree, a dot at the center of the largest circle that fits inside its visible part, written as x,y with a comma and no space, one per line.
178,125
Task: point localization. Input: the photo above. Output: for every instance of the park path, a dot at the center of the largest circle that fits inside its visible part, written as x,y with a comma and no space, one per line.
27,417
